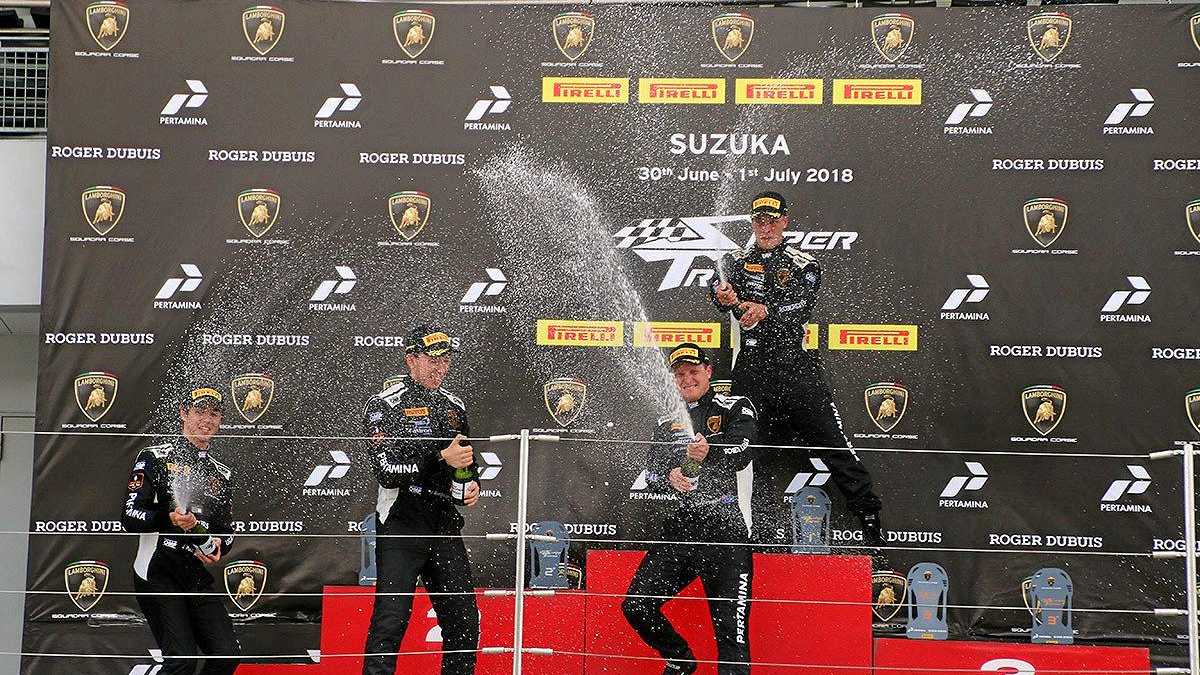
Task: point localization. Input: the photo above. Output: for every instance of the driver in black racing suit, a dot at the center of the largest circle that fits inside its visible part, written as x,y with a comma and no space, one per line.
702,478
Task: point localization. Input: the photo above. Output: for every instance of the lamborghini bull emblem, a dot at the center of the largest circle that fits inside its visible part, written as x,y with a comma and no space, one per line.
1045,219
244,582
573,33
107,22
1048,34
258,208
732,34
889,590
86,582
409,212
95,393
103,206
263,27
252,392
564,398
1044,406
413,29
886,403
892,35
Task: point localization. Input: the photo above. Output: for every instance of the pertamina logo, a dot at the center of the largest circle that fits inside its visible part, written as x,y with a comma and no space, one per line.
413,29
1122,487
564,333
95,393
258,209
263,27
672,333
766,91
585,90
682,90
573,33
86,582
732,34
244,582
876,92
107,22
252,393
103,206
409,212
873,337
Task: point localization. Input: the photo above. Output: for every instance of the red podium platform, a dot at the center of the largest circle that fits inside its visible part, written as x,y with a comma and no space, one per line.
779,632
919,657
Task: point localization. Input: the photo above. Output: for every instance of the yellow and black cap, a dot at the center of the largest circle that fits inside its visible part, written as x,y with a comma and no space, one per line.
688,352
204,397
429,340
769,203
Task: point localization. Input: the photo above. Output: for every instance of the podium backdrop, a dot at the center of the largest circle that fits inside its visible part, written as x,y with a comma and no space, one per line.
265,198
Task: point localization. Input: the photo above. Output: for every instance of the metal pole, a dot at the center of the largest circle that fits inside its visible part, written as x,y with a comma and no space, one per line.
522,518
1189,538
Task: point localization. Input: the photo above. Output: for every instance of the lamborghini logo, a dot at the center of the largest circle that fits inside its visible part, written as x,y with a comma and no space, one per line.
886,403
564,398
573,33
1045,219
86,582
252,392
103,206
732,34
244,582
1044,406
1192,401
263,27
409,212
889,590
892,34
258,208
1048,34
95,393
107,22
1192,213
413,29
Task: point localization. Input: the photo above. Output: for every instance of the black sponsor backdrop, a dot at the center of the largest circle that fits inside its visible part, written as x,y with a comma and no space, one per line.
541,200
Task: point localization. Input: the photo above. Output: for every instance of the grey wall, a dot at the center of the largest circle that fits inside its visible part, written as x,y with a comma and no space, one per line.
18,375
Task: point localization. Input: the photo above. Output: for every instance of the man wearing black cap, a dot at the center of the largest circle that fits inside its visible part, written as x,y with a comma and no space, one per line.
179,499
701,478
771,289
417,472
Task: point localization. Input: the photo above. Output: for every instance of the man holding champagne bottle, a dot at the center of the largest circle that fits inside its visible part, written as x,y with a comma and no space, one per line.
179,499
425,467
702,479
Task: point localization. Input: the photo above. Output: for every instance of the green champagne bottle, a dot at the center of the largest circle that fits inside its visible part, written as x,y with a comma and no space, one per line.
458,486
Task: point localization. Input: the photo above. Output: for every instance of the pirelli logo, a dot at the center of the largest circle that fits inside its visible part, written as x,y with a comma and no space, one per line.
562,333
873,337
755,91
672,333
877,92
585,90
812,340
686,90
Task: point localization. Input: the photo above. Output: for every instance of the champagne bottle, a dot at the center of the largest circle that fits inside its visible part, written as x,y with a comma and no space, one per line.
458,485
691,470
209,545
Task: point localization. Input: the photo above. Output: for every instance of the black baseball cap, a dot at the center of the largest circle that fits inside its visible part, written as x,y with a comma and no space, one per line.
769,203
206,397
429,340
688,352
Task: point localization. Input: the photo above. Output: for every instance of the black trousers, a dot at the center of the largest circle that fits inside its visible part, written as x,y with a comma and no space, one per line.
442,565
188,625
795,407
725,572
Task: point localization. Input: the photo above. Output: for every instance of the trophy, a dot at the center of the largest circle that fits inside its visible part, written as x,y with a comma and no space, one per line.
810,521
1048,595
548,558
927,590
367,573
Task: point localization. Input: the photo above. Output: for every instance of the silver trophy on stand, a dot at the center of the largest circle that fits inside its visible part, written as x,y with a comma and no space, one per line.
366,568
1048,596
811,530
928,586
547,559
